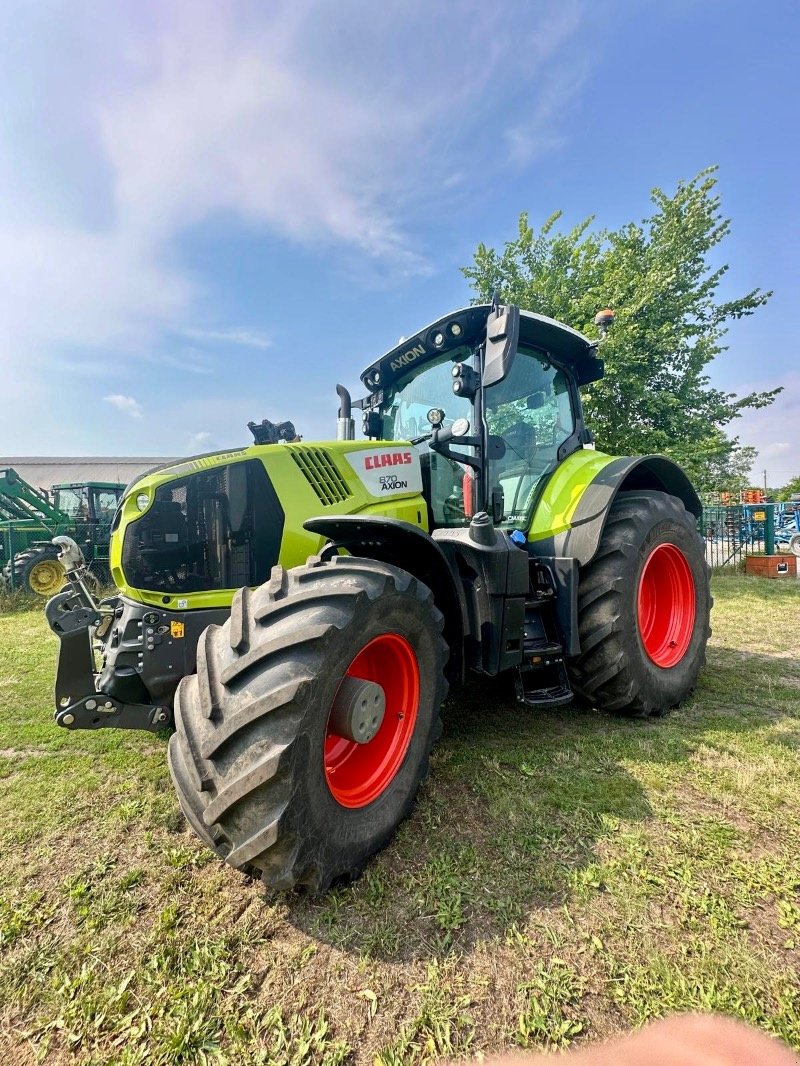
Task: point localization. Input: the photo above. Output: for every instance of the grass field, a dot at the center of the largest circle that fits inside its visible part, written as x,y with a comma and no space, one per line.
565,876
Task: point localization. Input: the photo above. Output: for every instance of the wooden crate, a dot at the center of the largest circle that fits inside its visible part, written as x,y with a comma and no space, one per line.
775,566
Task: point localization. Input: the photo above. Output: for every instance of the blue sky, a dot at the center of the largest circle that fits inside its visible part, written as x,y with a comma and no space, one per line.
211,213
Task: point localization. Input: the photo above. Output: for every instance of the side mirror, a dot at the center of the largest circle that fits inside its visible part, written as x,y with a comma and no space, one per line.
502,335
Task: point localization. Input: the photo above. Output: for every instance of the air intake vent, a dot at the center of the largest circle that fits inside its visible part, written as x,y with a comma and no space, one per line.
322,475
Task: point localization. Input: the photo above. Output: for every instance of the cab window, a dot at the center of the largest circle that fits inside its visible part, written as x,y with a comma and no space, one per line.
105,504
74,502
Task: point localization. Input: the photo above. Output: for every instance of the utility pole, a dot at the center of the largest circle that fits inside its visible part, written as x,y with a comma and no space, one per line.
765,482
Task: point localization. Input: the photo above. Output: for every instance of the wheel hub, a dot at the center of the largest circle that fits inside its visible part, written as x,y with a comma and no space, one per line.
46,577
358,710
379,692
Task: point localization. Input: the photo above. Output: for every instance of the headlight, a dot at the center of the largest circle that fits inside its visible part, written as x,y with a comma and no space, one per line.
142,500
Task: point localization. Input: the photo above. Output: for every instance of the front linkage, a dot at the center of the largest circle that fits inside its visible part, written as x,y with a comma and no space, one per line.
79,620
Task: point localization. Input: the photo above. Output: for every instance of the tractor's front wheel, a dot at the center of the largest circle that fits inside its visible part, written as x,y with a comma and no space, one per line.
36,570
644,606
302,740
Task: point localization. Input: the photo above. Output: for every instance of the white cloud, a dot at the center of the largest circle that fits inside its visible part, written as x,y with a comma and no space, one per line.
127,404
334,126
67,286
204,108
537,135
773,430
246,338
775,448
198,440
190,360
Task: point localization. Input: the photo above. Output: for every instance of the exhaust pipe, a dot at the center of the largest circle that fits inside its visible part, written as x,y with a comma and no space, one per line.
345,428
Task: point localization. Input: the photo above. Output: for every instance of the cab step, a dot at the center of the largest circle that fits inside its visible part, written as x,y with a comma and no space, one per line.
553,696
542,679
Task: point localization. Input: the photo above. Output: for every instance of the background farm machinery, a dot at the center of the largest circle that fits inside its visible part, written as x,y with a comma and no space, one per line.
31,517
734,531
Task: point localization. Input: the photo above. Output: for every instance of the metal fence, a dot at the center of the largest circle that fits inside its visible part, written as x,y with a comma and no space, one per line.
16,537
731,533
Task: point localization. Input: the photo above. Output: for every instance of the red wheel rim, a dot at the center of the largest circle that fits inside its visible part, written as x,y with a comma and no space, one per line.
358,773
666,605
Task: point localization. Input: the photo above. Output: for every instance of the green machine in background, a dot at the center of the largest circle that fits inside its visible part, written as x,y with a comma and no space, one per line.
297,610
30,518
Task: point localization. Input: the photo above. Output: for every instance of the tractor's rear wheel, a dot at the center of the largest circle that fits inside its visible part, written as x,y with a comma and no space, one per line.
644,605
302,740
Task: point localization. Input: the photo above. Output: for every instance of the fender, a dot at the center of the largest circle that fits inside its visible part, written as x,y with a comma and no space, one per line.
575,546
582,539
390,540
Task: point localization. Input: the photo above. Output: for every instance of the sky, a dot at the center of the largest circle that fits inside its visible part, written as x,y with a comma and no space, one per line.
211,213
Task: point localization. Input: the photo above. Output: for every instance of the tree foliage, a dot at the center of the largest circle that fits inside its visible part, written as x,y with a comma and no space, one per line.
790,489
725,469
670,322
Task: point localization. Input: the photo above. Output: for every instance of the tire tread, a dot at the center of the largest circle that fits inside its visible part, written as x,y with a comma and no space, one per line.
234,753
602,672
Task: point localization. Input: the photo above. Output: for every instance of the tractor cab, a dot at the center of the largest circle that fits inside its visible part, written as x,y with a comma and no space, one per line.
489,397
93,502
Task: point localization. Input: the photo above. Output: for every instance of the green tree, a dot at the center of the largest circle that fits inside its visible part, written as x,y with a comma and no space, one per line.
724,468
792,488
670,322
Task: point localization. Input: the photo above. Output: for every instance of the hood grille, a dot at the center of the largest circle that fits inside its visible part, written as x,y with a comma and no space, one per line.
321,473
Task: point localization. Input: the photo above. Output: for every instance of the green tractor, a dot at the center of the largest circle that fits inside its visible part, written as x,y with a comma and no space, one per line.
297,611
30,518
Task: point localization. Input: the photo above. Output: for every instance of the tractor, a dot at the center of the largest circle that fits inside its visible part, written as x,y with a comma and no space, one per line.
30,518
297,611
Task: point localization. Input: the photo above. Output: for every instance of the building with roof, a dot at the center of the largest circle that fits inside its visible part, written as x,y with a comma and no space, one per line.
44,471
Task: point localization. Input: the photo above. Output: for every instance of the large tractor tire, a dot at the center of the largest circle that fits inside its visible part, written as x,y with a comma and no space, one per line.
36,570
644,606
265,758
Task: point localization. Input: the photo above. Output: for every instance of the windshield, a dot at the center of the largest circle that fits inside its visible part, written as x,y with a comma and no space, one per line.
405,411
446,483
74,502
530,411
